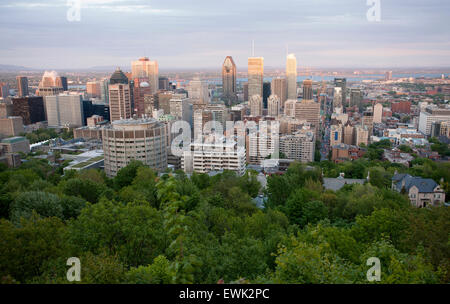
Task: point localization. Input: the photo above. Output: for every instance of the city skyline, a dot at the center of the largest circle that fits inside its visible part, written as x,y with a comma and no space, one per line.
199,35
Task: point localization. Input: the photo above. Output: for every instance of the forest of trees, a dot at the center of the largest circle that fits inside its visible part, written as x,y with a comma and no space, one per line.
143,228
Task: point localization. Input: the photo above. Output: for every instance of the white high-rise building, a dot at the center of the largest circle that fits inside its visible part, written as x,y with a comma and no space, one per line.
179,107
432,114
214,154
64,110
145,68
256,105
273,106
291,75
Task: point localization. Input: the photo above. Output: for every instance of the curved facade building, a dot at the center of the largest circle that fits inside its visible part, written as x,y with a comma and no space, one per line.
144,140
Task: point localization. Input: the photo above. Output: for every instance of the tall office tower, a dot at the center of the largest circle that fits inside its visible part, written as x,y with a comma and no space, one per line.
198,92
119,96
163,83
144,140
31,109
22,86
49,85
95,108
256,105
342,83
4,90
377,113
141,89
310,111
367,121
93,89
356,98
291,75
179,107
273,106
162,101
348,134
337,99
61,82
299,146
149,104
335,135
255,76
144,68
266,93
104,90
245,89
388,75
307,89
219,112
289,107
361,135
201,117
229,80
64,110
279,88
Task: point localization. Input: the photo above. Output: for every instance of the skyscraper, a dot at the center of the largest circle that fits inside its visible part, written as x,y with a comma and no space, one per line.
141,89
273,105
163,83
198,91
255,76
377,113
50,85
256,105
307,89
342,83
291,75
119,96
93,89
266,93
229,80
61,82
144,68
22,86
356,98
31,109
279,88
64,110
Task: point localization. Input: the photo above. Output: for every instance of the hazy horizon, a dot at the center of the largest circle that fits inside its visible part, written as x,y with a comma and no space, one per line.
200,34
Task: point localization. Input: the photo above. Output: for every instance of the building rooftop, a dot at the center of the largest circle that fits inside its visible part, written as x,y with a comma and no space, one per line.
12,140
425,185
336,184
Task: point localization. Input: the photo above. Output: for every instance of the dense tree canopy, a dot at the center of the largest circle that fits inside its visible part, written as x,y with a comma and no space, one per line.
147,228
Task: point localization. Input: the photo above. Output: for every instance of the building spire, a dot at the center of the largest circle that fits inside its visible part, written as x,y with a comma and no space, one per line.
253,48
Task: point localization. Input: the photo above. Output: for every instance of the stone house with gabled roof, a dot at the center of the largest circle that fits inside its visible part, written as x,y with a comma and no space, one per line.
422,192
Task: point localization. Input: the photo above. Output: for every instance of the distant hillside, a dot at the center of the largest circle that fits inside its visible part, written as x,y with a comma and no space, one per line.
7,67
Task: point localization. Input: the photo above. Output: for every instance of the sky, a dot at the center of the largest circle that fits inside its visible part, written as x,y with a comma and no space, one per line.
188,34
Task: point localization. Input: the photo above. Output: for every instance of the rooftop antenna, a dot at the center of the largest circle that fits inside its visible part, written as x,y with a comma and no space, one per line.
253,48
287,49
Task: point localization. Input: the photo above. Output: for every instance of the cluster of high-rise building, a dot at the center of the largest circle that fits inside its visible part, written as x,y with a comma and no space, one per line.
135,114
